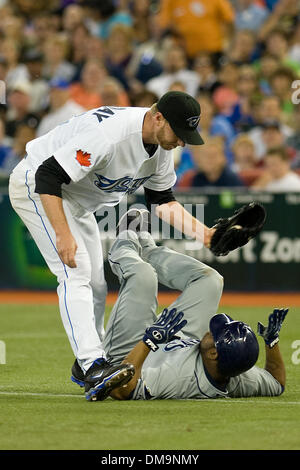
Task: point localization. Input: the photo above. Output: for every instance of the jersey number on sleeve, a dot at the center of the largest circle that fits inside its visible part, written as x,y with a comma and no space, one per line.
104,112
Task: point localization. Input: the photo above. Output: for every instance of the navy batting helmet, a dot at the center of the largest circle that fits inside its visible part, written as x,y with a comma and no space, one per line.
236,345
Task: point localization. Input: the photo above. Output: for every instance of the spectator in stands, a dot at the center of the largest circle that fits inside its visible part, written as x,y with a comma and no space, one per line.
86,92
250,15
278,176
56,65
272,136
147,57
33,60
5,142
110,16
201,25
3,73
177,86
214,123
204,66
244,153
266,65
80,43
61,108
277,45
245,162
141,12
269,111
294,140
94,48
144,99
248,91
118,52
283,16
228,75
281,85
42,29
242,48
247,85
211,169
29,8
24,133
18,113
228,111
72,17
13,27
175,70
112,93
10,51
294,45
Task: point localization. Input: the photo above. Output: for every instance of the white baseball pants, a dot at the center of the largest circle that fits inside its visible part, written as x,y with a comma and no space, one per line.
81,290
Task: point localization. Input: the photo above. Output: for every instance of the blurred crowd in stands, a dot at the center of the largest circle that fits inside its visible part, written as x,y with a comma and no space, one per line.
239,58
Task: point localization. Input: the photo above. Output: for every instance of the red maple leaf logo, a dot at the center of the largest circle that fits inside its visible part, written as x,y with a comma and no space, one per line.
83,158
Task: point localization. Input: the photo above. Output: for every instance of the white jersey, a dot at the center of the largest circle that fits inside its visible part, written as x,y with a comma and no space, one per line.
176,370
102,151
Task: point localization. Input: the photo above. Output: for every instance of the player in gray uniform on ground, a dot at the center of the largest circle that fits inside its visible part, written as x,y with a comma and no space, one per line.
212,356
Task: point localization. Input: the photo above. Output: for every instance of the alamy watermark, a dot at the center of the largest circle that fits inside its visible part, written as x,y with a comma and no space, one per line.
2,352
165,222
296,353
296,93
2,92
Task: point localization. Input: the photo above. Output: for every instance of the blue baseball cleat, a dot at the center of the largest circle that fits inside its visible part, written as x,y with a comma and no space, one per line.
77,374
102,378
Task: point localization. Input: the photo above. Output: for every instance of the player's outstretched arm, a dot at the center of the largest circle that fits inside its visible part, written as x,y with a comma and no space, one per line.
177,216
136,357
270,333
274,364
162,331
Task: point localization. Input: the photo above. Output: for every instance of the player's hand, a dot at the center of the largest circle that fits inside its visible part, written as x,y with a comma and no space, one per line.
270,333
164,329
66,247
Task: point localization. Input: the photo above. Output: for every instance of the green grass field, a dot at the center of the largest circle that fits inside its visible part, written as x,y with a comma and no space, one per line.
41,409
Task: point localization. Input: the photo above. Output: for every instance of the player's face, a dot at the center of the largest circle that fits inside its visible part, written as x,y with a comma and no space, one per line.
167,139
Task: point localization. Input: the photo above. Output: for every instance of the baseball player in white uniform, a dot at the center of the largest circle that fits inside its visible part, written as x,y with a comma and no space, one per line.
94,160
211,355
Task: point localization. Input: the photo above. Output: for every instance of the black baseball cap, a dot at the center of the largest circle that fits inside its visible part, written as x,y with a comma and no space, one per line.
182,112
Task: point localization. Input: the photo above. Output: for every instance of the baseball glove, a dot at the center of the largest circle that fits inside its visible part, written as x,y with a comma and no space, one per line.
237,230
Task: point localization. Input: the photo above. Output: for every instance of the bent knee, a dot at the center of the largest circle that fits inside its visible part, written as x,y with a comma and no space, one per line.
213,280
145,276
216,280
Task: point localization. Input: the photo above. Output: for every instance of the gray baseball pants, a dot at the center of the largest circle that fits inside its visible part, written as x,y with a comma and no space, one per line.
140,265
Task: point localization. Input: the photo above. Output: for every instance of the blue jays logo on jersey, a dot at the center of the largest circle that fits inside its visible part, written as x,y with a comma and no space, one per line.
126,184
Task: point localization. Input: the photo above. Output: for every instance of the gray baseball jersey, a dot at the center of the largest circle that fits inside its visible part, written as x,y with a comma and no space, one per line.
176,370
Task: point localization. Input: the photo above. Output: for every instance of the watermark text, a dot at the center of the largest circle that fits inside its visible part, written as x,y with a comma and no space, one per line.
2,352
